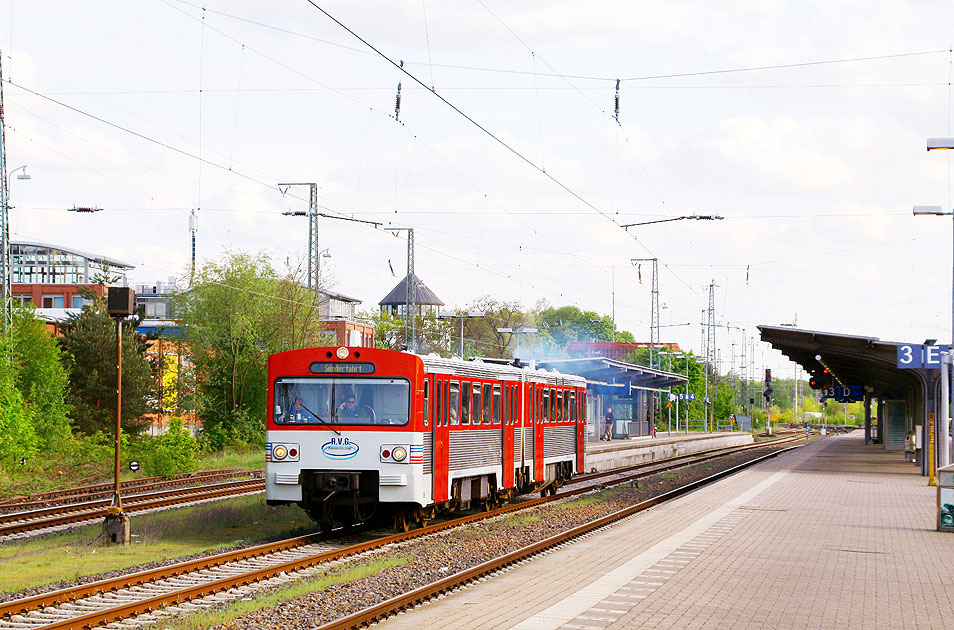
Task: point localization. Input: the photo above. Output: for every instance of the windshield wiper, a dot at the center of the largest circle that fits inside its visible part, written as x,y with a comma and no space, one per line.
320,419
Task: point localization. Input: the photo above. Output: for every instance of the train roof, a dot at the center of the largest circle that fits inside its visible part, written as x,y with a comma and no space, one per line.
481,369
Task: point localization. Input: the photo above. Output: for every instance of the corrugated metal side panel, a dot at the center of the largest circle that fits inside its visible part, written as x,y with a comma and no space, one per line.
528,445
428,453
559,441
471,449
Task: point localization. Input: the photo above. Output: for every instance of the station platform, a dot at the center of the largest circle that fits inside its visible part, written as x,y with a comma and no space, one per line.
835,534
607,455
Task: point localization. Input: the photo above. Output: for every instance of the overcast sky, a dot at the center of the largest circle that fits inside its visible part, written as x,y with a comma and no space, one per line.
815,166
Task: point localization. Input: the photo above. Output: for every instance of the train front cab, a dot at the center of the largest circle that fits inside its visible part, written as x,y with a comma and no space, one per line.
344,438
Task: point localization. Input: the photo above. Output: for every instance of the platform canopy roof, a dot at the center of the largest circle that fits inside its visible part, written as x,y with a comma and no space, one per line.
603,371
852,360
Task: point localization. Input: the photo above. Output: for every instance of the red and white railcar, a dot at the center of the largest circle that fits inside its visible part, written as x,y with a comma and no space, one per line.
357,433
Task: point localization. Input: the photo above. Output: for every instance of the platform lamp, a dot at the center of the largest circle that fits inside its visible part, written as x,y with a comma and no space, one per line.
461,316
120,304
934,144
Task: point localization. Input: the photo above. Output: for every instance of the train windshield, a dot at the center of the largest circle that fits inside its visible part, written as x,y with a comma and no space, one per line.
345,400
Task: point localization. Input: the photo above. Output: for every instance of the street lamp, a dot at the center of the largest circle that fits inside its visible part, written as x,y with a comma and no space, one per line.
462,316
945,450
518,332
942,144
6,269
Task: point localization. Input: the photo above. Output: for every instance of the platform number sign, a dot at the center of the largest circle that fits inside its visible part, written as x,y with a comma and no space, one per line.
912,356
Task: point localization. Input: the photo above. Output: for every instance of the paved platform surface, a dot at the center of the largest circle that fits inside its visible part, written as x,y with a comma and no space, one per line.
833,535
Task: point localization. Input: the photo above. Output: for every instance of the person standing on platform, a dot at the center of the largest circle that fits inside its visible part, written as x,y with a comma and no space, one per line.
608,420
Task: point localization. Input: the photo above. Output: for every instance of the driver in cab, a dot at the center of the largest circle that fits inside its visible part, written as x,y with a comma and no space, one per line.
348,409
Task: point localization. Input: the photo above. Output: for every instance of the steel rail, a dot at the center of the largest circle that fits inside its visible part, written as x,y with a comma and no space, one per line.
667,460
409,600
89,493
207,588
129,483
52,517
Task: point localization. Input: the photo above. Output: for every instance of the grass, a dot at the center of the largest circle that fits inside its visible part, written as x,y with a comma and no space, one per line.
587,499
519,520
249,459
162,535
236,609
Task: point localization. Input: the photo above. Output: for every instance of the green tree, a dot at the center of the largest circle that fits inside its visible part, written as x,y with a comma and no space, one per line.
17,437
237,313
89,341
723,405
41,377
483,331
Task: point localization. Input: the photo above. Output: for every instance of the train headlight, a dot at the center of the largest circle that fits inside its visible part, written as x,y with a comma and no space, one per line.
399,453
342,352
279,452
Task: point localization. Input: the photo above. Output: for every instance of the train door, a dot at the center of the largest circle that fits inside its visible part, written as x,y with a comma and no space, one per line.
440,422
509,422
579,419
542,413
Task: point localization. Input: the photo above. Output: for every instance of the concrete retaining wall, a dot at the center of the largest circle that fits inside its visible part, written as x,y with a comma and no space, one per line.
629,452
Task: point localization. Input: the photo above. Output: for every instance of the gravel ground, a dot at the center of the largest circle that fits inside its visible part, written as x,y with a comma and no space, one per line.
446,553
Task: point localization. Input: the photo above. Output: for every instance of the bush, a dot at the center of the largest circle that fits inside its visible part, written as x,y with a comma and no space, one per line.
172,453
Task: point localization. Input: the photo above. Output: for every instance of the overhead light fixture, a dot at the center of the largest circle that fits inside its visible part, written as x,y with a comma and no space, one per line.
940,143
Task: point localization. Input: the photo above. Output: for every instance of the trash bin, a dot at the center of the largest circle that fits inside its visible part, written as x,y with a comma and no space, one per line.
945,499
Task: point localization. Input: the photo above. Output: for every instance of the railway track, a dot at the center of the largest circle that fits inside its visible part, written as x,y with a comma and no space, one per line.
147,595
49,517
82,494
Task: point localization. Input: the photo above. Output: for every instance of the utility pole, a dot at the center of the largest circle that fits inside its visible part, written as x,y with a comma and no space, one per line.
410,296
743,368
193,226
312,228
710,346
5,271
654,310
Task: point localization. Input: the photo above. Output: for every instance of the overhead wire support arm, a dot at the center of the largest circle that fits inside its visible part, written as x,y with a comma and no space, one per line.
694,217
376,224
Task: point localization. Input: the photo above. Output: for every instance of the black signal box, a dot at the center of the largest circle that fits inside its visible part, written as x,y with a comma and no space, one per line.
120,301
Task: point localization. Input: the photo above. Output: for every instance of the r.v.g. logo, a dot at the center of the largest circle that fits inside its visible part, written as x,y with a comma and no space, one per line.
339,448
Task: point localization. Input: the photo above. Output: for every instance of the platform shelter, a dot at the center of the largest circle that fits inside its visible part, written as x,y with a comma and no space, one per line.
627,388
897,402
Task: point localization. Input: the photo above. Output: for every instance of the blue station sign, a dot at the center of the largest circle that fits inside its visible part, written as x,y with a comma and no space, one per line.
913,356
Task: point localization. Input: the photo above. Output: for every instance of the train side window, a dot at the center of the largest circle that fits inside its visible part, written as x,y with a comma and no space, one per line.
465,403
476,413
438,400
427,401
488,402
560,410
545,403
497,404
453,403
573,407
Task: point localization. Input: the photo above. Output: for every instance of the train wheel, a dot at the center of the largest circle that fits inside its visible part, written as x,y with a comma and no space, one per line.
403,522
322,514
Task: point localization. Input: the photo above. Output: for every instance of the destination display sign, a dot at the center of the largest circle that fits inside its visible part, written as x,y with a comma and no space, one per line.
322,367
